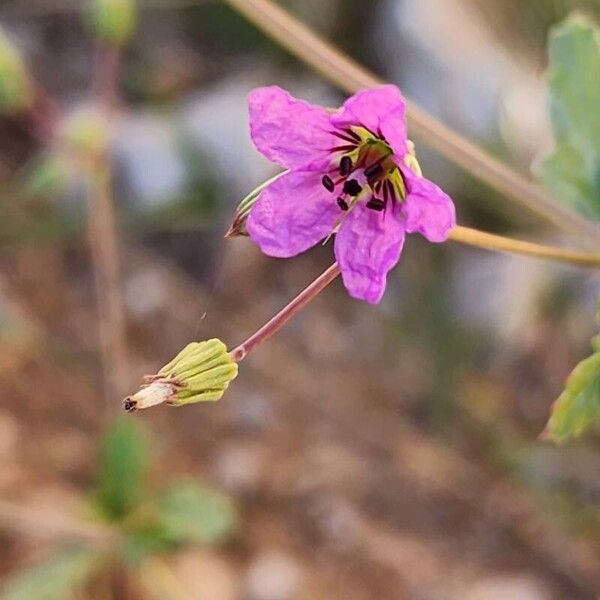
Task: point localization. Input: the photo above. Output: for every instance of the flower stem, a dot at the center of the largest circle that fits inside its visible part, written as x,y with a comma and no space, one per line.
463,235
490,241
348,75
283,316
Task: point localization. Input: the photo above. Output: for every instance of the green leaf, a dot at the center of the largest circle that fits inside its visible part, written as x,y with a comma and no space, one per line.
196,514
123,468
572,171
564,173
55,579
579,404
574,83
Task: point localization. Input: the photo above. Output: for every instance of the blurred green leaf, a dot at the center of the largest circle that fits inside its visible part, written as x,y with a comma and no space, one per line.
145,540
196,514
124,464
46,175
55,579
564,173
574,83
572,171
579,404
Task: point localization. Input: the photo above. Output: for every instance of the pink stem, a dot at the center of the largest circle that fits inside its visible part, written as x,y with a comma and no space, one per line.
106,75
283,316
43,115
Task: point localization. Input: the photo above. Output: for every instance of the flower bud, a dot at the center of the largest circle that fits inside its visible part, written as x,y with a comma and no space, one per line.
201,372
16,93
113,21
238,225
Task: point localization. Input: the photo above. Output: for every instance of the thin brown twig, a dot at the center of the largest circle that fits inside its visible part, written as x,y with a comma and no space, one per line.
102,220
350,76
499,243
102,225
102,229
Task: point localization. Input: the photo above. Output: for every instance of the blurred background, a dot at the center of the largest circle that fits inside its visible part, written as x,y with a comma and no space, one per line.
365,452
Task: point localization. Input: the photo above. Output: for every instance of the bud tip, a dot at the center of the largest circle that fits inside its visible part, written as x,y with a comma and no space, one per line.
201,372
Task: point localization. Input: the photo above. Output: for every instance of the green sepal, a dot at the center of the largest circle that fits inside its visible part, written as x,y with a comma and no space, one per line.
201,372
238,225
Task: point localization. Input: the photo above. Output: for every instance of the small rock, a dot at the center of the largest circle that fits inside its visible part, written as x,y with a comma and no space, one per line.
507,587
273,576
239,468
205,576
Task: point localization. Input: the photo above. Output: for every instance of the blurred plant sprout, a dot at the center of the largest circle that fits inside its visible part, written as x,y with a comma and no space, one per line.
113,21
142,524
16,94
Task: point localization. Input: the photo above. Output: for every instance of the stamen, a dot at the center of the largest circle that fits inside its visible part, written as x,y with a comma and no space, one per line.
390,187
353,134
376,204
344,148
342,203
345,166
346,138
352,187
373,171
328,183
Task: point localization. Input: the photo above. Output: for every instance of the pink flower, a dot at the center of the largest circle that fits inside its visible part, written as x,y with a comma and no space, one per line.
352,172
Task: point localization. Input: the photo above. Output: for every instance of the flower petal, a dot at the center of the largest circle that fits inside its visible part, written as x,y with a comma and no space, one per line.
382,110
289,131
367,246
292,214
427,209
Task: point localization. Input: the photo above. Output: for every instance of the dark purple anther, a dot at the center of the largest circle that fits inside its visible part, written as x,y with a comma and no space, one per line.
376,204
352,187
328,183
342,203
373,171
345,166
